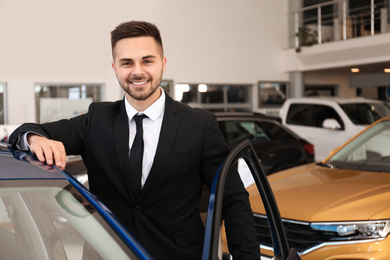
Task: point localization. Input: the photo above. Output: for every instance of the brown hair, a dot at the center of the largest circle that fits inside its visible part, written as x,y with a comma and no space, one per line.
135,29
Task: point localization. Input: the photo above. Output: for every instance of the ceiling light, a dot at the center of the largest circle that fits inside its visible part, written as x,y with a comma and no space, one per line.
386,70
355,70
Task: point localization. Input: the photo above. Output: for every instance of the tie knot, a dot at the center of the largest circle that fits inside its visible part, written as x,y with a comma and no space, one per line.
138,119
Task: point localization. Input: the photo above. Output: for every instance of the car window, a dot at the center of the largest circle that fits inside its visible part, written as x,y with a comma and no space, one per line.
370,151
251,172
50,219
275,132
237,131
255,131
298,114
364,113
320,113
311,115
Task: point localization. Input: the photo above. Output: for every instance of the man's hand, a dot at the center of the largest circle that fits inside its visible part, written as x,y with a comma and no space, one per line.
47,150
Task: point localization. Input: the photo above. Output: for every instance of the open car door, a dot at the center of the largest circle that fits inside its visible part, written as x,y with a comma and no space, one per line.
244,151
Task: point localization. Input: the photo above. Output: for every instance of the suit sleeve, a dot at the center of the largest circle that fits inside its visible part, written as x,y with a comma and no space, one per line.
17,135
70,132
236,210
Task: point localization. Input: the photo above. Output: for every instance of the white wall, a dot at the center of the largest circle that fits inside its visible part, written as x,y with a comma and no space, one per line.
219,41
362,50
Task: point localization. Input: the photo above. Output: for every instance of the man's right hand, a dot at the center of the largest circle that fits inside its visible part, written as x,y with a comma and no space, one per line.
47,150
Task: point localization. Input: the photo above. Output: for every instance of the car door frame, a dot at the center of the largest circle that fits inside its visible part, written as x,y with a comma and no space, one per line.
211,242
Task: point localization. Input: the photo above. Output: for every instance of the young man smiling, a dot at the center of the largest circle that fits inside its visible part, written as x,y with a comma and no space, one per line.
139,64
183,148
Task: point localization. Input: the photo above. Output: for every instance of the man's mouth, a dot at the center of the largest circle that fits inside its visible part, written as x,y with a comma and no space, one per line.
139,82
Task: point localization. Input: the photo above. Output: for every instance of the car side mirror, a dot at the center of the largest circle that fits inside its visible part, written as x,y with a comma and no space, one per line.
331,123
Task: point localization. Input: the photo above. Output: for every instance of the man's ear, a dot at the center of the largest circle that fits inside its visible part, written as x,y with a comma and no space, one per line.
164,63
113,67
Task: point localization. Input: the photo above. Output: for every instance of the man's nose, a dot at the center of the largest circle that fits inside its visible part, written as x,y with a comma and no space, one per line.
138,69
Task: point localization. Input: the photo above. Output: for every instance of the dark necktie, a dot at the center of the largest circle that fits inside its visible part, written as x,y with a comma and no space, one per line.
136,154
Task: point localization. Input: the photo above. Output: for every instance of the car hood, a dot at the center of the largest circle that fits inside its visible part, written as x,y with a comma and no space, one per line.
314,193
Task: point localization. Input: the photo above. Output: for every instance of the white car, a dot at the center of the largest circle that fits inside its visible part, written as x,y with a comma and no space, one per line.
330,122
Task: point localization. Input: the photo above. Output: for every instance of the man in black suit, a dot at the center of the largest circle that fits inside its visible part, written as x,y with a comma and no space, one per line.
183,148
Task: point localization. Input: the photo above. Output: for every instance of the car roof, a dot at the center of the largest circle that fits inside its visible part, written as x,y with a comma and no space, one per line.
257,115
229,114
329,100
16,164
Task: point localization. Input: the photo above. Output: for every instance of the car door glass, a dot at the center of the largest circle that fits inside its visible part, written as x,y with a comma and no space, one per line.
261,224
51,220
237,131
273,131
298,114
244,159
320,113
245,173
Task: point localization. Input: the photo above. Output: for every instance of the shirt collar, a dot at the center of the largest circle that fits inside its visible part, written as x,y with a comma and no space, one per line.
153,112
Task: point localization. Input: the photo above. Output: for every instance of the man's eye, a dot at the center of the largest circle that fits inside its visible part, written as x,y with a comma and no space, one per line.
148,61
126,63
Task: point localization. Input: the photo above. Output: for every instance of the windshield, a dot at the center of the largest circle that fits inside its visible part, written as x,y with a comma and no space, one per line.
50,219
365,113
236,131
370,151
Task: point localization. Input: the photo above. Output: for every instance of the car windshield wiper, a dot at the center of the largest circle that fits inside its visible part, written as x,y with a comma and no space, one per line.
327,165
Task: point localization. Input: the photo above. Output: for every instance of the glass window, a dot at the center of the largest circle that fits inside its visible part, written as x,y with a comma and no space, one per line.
187,93
370,151
215,97
167,85
46,218
321,113
298,114
275,132
238,94
320,90
212,94
54,102
237,131
272,93
364,113
311,115
3,103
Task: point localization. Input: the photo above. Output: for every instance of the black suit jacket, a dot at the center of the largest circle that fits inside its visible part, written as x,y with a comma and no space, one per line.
165,217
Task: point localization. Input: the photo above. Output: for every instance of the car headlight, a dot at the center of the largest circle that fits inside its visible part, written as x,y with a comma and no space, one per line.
353,230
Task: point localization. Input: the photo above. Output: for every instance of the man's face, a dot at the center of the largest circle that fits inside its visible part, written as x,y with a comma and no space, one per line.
139,65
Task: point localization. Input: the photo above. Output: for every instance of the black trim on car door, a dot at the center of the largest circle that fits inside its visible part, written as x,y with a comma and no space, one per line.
211,244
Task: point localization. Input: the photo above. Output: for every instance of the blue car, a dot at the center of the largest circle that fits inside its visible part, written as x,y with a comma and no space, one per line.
46,213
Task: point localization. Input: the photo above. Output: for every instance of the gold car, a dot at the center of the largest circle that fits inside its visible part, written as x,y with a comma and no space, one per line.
338,208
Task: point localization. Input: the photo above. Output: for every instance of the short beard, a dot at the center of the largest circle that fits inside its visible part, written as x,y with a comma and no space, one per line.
141,98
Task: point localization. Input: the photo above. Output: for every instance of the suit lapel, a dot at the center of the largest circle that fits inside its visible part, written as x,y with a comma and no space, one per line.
167,136
121,135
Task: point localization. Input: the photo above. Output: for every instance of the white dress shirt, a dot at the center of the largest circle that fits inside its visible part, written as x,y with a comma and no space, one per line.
151,128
